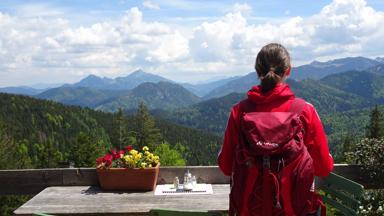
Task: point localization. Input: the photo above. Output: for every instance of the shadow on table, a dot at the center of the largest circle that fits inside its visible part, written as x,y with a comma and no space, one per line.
94,190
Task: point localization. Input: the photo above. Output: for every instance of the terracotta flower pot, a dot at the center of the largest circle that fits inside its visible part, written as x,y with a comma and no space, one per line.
128,179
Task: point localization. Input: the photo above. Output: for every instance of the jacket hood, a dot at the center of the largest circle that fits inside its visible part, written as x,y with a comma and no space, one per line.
281,92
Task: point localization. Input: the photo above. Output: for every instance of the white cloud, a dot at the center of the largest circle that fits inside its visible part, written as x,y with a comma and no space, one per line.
151,5
43,49
242,8
342,28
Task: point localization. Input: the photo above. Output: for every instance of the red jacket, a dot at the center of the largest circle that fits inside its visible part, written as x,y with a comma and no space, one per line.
277,100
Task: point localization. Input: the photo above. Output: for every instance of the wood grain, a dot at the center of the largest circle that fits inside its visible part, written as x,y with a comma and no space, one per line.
90,200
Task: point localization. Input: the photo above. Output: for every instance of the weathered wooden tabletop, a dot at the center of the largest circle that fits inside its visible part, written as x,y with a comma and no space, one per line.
90,200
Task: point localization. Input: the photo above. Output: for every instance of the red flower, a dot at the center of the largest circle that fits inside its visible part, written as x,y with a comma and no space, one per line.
99,160
121,153
107,159
128,148
115,154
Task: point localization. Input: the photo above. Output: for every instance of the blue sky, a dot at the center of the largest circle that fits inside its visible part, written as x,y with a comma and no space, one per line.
167,9
63,41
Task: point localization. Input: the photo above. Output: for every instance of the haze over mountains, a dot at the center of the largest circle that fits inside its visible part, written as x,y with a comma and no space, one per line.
317,70
336,85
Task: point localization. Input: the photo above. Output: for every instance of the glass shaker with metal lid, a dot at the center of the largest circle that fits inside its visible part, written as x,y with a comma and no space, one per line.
187,184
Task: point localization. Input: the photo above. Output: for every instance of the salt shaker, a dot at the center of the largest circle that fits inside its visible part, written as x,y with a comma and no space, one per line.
187,177
187,184
194,182
176,182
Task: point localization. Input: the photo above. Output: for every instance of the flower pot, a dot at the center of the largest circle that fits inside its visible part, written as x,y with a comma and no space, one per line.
128,179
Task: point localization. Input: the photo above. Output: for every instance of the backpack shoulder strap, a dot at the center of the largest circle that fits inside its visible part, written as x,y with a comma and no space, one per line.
297,105
246,106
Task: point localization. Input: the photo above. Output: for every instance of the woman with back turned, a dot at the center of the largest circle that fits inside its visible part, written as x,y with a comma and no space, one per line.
274,145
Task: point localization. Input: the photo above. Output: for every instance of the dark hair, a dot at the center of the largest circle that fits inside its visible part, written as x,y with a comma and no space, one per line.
271,63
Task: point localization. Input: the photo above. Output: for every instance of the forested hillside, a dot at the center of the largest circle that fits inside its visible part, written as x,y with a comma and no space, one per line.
210,115
40,128
368,85
41,134
80,96
163,95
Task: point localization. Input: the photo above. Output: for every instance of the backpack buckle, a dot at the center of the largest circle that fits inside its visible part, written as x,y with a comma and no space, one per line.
266,161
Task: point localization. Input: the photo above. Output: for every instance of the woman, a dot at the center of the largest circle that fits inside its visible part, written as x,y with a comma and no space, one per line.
273,66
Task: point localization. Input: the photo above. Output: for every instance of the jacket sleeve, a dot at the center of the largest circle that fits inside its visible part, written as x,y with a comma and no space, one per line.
317,144
227,152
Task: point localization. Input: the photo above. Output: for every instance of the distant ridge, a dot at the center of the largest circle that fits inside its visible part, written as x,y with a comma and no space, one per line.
317,70
120,83
81,96
239,85
21,90
164,95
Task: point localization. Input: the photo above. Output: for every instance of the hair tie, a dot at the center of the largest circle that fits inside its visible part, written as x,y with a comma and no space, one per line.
270,72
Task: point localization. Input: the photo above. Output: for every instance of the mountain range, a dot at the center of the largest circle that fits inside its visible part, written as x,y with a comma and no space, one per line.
163,95
315,70
325,84
120,83
342,90
212,114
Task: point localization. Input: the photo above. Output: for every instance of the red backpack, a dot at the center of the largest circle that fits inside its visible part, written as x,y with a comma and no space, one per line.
274,143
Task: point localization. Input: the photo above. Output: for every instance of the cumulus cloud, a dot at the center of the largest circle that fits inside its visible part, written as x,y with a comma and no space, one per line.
29,46
35,49
242,8
342,28
151,5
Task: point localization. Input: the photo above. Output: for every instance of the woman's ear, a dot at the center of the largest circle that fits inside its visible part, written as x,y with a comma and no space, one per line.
287,72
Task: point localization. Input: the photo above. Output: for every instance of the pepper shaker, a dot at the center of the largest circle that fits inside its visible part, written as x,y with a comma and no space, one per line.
194,182
176,183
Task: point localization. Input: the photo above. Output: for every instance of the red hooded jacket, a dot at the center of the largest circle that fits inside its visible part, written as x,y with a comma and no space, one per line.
278,99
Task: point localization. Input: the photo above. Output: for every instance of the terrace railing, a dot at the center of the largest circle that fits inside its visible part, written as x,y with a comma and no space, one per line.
32,181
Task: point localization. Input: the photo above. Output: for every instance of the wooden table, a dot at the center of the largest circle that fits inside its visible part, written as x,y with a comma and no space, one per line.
90,200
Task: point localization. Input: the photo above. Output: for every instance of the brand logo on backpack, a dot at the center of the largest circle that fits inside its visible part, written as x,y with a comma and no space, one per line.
267,144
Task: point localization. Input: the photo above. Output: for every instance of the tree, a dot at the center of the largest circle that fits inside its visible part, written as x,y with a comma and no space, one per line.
146,132
119,126
86,148
7,150
169,156
23,160
368,153
375,128
120,135
46,155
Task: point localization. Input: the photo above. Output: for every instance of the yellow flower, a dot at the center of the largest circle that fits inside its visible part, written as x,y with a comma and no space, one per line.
133,152
127,158
149,157
156,159
143,165
145,148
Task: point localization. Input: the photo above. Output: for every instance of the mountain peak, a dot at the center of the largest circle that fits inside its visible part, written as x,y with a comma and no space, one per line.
138,71
316,63
91,77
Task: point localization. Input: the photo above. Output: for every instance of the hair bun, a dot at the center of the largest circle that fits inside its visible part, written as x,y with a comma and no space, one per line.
271,63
